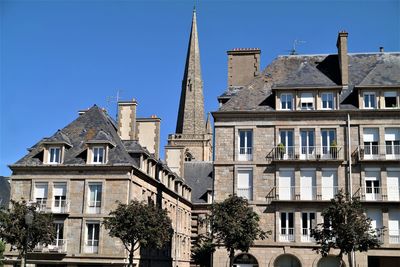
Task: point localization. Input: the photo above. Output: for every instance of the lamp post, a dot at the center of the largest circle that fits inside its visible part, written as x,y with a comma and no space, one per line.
28,222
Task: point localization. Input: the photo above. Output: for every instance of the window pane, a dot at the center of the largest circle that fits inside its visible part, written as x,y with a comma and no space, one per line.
291,223
283,219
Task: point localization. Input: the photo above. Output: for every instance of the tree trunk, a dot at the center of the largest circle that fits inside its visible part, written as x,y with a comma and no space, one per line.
231,256
350,258
130,258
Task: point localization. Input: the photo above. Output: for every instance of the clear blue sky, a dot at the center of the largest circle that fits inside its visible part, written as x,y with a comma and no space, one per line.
58,57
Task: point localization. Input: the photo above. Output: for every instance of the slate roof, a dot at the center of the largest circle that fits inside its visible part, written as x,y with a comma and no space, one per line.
314,71
198,175
4,191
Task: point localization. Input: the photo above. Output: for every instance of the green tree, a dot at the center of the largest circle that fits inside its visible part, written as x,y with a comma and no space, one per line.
21,236
235,225
202,250
345,227
2,248
139,225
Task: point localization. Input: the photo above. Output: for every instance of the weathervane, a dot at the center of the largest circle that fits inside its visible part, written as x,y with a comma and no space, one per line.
295,43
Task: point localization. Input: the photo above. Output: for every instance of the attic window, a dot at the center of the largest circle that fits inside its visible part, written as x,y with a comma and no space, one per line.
307,101
54,155
390,99
369,100
98,155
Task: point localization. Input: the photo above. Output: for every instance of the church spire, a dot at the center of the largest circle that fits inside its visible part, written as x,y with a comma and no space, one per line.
191,106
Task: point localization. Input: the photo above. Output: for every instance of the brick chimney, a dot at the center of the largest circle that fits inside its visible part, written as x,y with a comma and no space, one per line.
243,65
127,119
341,45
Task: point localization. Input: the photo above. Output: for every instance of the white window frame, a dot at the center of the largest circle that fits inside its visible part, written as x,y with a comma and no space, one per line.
246,152
368,105
373,184
249,188
286,141
308,150
391,94
41,201
52,155
304,97
96,155
284,101
92,244
94,206
62,199
306,232
286,233
330,101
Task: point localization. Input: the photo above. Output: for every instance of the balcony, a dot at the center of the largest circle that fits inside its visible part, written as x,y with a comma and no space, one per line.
394,236
58,246
378,152
245,193
317,153
302,193
60,206
245,154
305,235
286,235
92,246
378,193
41,205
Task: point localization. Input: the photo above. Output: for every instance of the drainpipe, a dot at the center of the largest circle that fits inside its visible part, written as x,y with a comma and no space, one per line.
350,181
176,231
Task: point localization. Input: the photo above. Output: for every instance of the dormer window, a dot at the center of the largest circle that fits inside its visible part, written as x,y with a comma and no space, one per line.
369,100
55,155
286,101
390,99
327,100
98,155
307,101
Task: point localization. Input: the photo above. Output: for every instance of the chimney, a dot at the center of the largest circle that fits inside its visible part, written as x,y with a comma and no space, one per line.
381,49
127,119
341,45
243,65
148,134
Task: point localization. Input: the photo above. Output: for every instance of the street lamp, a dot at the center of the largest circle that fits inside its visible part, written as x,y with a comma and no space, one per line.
28,222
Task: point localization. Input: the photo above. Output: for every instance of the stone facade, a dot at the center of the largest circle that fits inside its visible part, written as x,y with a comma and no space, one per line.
291,168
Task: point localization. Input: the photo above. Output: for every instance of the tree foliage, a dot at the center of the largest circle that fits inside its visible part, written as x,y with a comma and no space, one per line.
202,250
139,225
235,225
345,227
15,231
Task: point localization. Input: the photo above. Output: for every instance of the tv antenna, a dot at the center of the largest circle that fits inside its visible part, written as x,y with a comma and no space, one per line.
296,42
114,99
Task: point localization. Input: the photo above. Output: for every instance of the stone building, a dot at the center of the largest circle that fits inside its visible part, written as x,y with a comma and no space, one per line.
80,172
289,137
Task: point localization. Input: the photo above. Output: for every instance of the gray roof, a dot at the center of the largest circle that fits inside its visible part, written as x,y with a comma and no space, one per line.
4,191
314,71
199,176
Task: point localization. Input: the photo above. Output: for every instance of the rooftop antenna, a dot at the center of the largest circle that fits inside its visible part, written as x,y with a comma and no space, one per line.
295,44
114,99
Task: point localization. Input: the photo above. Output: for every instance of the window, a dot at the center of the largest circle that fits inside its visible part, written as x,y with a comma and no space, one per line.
371,139
394,226
286,139
245,184
308,190
92,237
369,100
286,184
307,101
95,190
286,227
329,183
392,142
393,184
286,101
59,242
245,145
327,100
98,155
54,155
390,99
40,194
308,223
372,185
307,144
60,195
376,220
329,145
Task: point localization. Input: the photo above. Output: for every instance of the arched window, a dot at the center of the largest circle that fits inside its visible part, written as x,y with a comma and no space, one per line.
329,261
287,260
245,260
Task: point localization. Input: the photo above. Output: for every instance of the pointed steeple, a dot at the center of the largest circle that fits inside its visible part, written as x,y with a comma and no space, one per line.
208,124
191,106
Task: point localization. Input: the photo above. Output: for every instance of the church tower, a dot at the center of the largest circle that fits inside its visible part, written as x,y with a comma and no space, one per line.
192,138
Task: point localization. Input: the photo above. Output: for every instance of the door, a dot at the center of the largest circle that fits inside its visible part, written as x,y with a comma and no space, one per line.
286,182
286,137
393,185
328,139
307,184
329,184
372,185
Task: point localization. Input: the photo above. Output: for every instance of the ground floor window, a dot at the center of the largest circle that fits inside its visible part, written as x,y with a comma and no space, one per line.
287,260
245,260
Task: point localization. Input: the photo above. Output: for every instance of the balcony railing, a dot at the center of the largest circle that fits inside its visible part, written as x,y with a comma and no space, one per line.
379,233
302,193
60,206
305,235
378,193
306,153
379,152
92,246
245,153
58,245
245,193
286,235
41,204
394,236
